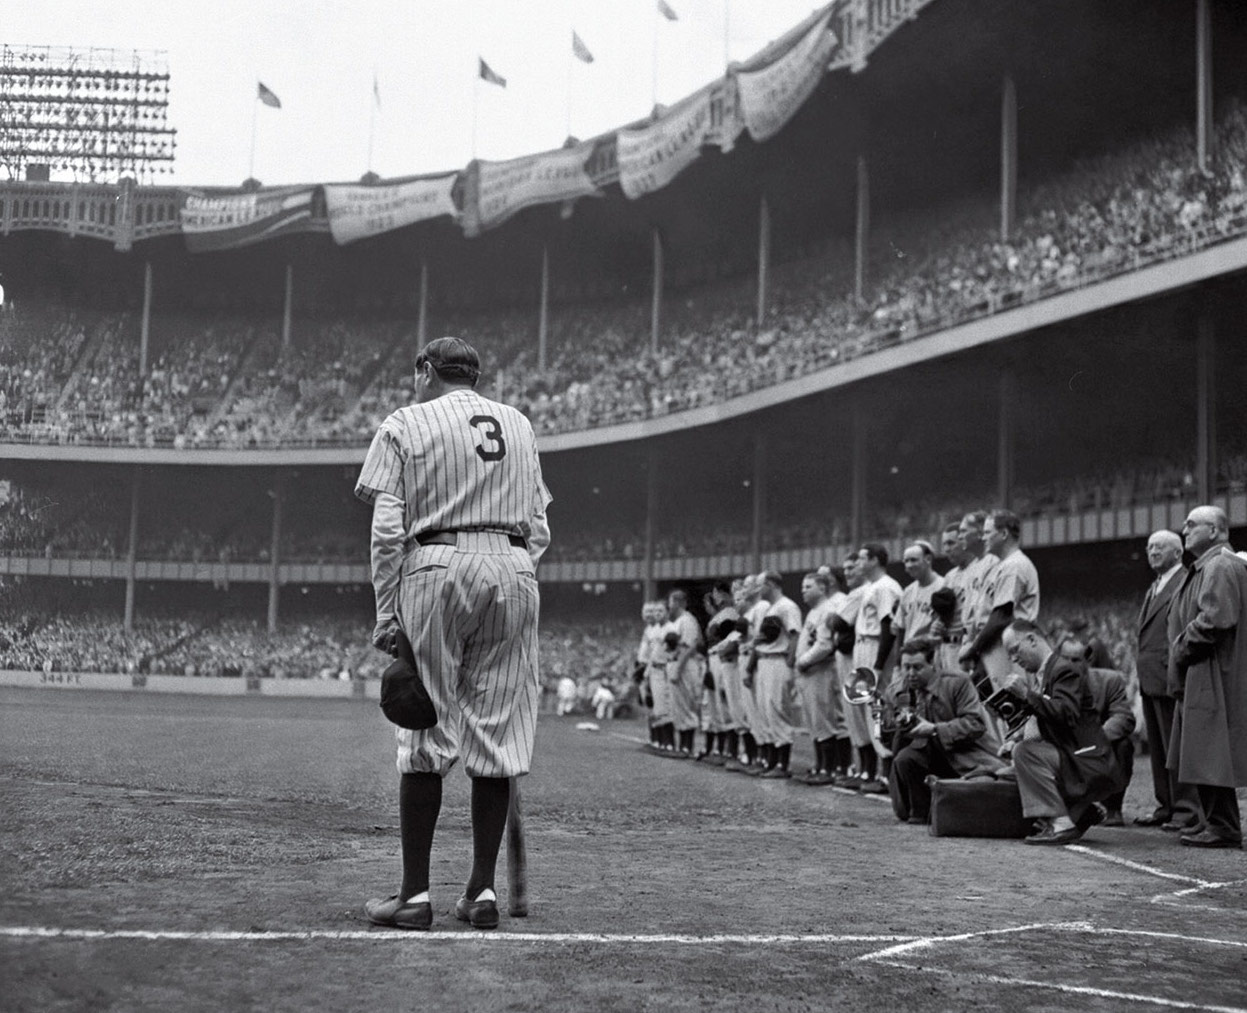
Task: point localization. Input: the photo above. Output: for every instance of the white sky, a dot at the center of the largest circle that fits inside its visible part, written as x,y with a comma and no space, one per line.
319,55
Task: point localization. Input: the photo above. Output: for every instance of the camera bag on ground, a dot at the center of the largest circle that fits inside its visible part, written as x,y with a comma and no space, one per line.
978,807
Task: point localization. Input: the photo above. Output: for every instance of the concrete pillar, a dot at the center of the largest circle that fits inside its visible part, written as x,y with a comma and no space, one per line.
1206,410
655,319
274,586
1004,438
857,517
862,241
286,309
422,321
1204,138
543,316
132,548
758,488
764,256
146,326
651,521
1008,157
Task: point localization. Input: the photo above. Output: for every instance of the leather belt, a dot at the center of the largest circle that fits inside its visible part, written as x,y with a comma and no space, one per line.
452,538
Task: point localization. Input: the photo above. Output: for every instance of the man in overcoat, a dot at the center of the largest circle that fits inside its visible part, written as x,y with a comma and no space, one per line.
1177,804
1208,675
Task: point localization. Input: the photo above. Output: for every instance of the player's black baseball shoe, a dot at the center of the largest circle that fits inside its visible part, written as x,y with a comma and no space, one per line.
399,914
480,914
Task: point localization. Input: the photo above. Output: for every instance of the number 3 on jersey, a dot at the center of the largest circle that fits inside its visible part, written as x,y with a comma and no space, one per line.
492,446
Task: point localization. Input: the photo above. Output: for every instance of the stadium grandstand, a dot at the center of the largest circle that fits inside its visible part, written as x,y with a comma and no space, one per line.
993,255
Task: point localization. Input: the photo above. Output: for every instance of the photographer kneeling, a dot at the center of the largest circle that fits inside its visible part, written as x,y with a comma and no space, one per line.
1064,763
943,730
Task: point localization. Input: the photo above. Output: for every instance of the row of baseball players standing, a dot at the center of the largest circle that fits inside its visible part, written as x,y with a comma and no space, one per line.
759,651
976,625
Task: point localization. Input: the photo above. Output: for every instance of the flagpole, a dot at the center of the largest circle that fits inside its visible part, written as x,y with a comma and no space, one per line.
654,83
476,92
571,57
255,99
372,117
727,31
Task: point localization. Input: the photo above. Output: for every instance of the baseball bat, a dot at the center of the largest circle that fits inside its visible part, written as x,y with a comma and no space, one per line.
517,856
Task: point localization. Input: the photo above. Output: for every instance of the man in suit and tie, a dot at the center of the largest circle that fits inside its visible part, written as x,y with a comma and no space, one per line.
1177,805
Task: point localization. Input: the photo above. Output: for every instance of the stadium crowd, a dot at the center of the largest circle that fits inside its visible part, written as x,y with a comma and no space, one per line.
219,380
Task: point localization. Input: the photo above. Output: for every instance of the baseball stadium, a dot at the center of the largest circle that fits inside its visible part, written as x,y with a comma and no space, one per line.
913,266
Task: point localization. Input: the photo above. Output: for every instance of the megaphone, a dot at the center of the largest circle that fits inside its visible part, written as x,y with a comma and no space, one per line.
863,687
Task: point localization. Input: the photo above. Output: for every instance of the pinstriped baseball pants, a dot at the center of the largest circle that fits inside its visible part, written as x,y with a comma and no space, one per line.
470,612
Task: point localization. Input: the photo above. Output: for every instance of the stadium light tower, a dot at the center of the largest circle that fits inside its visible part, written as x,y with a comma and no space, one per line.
99,114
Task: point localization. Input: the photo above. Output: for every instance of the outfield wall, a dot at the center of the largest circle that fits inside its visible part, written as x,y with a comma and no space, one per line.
332,689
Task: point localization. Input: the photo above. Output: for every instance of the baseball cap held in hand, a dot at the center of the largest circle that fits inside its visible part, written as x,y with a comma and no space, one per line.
404,700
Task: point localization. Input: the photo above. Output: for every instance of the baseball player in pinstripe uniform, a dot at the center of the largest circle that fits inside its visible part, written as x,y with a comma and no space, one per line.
685,670
651,655
754,615
458,524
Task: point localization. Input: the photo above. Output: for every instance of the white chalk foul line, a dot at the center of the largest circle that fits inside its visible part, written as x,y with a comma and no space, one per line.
1086,928
388,935
925,942
1199,884
1100,993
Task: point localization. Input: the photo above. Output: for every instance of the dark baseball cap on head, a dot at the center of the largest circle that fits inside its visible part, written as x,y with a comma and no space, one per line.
452,359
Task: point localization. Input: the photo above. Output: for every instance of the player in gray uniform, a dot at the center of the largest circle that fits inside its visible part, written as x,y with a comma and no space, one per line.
732,649
874,638
458,524
774,676
1012,592
976,574
914,616
950,631
821,702
718,722
754,615
856,716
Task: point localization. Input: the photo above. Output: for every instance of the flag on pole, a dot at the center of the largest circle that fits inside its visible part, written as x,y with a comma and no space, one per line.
666,11
267,96
580,50
489,74
376,91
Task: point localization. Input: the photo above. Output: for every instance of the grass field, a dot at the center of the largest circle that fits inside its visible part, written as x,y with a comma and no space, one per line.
199,853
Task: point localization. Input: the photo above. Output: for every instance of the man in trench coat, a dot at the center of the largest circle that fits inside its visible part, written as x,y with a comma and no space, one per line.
1208,674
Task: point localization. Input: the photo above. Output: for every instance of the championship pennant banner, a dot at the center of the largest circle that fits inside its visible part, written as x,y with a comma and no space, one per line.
357,212
651,157
229,221
495,191
771,96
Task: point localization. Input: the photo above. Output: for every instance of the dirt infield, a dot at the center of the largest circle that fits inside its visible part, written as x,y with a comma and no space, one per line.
214,853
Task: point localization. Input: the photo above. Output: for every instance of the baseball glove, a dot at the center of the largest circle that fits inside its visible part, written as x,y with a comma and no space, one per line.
770,630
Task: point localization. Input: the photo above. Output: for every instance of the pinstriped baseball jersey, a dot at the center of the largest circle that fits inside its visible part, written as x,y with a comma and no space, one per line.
459,462
464,464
